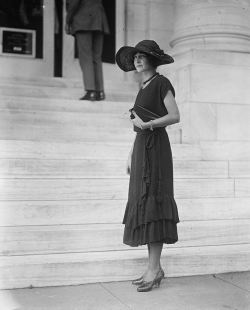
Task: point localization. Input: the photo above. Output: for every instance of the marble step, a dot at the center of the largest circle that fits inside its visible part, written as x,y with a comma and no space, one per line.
114,93
78,189
100,168
59,118
84,150
63,82
96,211
222,150
239,169
35,240
70,126
242,187
65,105
80,268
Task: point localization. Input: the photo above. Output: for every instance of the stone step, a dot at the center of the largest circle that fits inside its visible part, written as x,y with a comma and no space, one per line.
83,150
114,93
35,240
65,105
70,126
100,168
242,187
96,211
239,169
222,150
64,150
13,104
63,82
59,118
78,189
80,268
235,151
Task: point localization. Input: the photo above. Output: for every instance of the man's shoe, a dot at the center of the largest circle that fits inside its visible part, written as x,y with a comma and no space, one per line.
100,95
90,95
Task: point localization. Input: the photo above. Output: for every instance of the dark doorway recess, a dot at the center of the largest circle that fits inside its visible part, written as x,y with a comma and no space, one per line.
58,36
109,40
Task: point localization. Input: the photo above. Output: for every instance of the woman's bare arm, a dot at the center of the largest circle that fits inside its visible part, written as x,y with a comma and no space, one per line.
129,158
172,117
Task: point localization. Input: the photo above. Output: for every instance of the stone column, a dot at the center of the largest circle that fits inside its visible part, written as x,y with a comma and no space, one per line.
212,24
211,47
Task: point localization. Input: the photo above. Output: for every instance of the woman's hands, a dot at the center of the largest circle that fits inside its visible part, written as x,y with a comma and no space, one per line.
137,121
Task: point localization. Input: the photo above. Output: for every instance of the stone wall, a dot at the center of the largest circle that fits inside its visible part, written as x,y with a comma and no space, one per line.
150,19
211,72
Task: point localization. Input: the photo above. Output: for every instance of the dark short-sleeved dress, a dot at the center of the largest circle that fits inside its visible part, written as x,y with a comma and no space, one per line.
151,213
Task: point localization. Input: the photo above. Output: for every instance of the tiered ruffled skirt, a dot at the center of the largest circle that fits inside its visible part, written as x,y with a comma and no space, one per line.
151,213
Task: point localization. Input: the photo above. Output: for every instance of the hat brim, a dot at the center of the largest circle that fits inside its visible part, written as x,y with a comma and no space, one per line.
125,58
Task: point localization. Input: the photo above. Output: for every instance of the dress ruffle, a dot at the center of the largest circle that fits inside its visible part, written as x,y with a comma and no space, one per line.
140,214
151,222
164,231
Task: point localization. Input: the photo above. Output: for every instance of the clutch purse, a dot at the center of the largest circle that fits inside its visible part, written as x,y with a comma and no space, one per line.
145,114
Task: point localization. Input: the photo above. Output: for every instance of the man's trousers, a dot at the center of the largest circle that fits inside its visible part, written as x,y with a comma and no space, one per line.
90,46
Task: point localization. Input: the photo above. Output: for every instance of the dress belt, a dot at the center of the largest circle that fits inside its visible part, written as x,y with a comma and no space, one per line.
148,131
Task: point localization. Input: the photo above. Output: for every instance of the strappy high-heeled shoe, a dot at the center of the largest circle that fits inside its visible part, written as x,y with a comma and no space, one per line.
148,286
140,280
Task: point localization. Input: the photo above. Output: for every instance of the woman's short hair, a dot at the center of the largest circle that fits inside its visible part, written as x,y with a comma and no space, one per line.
154,62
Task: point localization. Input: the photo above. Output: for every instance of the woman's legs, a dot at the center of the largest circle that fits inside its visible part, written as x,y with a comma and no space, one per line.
146,271
154,256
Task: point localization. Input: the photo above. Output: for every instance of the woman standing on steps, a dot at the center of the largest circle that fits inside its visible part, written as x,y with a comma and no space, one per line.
151,214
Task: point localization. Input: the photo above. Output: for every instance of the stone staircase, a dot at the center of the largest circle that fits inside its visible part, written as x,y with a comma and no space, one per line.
62,88
64,189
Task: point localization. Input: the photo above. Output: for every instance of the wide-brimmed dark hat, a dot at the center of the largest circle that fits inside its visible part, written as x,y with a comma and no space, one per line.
125,55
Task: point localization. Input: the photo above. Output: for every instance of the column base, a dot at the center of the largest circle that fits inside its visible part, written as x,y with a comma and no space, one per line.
213,94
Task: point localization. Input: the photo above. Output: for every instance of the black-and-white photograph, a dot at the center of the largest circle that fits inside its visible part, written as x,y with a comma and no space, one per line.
124,154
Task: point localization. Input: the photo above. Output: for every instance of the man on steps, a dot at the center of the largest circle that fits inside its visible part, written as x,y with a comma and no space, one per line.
87,21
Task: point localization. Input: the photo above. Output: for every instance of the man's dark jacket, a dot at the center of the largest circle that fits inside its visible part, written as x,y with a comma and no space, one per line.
88,15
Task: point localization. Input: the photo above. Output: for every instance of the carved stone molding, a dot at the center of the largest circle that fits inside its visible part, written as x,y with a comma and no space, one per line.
212,24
